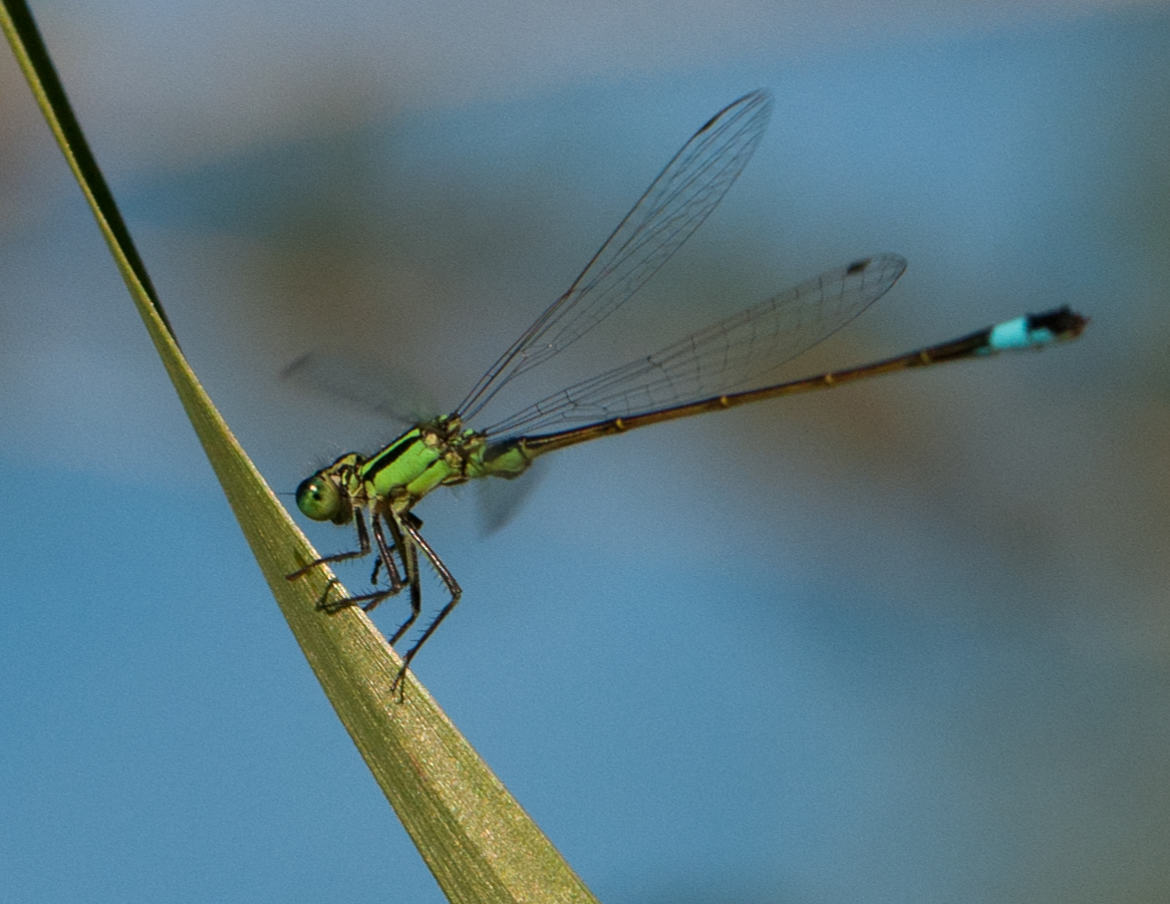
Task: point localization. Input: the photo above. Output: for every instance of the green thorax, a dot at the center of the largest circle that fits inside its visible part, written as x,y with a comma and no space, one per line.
434,453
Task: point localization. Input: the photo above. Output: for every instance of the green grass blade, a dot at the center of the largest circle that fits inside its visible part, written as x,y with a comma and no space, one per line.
478,842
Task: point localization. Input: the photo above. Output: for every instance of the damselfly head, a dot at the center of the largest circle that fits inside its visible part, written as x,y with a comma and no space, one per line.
323,498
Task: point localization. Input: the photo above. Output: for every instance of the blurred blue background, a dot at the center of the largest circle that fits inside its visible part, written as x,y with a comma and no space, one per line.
903,642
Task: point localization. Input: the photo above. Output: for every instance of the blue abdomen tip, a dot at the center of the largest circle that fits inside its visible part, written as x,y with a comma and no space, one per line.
1017,333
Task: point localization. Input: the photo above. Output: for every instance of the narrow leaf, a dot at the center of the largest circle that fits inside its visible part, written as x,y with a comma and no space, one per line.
478,842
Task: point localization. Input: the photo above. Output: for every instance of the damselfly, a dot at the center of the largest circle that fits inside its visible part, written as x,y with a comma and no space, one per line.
716,368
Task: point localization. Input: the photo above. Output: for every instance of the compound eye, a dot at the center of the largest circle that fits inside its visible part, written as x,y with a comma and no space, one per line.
319,498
